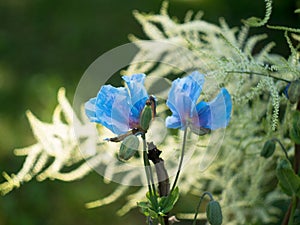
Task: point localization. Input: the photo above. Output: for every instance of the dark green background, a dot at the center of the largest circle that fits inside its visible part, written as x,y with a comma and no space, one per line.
47,44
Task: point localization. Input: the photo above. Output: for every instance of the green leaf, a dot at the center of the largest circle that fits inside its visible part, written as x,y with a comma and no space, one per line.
153,201
295,127
167,203
288,180
147,210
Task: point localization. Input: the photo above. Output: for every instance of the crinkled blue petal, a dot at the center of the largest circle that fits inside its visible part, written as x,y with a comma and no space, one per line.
215,114
138,95
110,108
90,110
184,94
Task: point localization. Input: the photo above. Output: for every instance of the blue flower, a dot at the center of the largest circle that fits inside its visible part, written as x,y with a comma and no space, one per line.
292,91
119,109
285,90
187,111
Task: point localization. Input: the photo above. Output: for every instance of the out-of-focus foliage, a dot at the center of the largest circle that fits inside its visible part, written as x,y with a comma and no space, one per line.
246,197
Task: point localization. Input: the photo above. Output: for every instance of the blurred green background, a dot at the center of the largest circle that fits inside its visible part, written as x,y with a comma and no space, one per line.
47,44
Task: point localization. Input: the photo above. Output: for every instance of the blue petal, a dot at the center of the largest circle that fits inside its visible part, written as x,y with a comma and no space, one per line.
173,122
215,114
90,110
285,91
112,109
184,94
137,93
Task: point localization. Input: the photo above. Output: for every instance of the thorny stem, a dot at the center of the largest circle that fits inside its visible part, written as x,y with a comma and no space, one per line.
199,204
181,159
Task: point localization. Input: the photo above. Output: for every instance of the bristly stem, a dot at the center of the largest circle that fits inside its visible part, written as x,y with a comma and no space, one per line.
199,204
181,159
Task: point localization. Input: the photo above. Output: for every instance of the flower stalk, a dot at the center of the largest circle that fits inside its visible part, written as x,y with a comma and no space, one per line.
181,159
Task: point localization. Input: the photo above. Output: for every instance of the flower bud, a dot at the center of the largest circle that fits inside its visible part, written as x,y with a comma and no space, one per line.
129,147
214,213
146,117
268,149
293,91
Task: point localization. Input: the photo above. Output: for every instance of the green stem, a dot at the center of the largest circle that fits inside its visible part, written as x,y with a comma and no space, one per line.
181,159
161,220
259,74
199,204
297,149
294,206
282,147
145,158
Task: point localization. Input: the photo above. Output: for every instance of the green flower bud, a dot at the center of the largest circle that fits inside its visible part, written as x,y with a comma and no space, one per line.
129,147
214,213
294,91
295,127
268,149
146,117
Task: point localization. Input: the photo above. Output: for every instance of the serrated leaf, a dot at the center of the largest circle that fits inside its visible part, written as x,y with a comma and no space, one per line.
288,180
